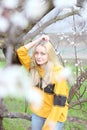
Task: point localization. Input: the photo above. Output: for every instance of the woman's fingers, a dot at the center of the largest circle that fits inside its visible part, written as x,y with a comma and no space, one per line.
45,37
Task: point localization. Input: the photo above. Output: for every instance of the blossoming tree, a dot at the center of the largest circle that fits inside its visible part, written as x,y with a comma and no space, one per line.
20,22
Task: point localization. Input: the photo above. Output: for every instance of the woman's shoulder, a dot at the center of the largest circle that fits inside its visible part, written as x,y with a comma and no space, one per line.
58,68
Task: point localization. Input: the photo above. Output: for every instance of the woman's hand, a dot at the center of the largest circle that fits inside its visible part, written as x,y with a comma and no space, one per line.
37,41
44,38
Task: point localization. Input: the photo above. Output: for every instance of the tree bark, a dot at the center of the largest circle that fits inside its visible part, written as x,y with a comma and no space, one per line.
1,124
2,110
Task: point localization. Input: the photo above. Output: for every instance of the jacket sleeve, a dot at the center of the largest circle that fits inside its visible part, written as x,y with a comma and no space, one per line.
59,104
23,56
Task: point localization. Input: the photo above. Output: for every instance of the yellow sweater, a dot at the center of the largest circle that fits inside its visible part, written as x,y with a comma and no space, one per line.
55,106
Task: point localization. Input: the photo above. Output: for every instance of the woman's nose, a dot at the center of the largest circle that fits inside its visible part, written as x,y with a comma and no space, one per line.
39,55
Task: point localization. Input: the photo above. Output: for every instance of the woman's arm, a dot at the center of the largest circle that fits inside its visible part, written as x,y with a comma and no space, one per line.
36,42
23,57
22,52
60,106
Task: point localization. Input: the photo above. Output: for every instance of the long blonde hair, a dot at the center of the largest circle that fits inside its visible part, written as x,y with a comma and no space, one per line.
52,62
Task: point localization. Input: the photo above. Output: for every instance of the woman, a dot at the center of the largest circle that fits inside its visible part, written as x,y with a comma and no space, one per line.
45,70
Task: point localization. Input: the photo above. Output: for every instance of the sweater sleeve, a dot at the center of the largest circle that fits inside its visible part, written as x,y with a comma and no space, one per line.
23,56
60,105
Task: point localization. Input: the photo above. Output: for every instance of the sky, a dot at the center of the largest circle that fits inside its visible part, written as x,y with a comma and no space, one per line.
66,25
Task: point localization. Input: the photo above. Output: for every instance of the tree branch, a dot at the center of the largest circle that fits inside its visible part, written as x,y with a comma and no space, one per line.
15,115
40,25
77,85
80,101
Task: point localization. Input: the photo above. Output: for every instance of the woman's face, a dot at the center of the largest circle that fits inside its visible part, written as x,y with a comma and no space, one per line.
41,56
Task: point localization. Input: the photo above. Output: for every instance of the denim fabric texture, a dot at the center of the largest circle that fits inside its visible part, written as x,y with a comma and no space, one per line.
38,122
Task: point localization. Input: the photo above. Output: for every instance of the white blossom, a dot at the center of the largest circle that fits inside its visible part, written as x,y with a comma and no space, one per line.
84,11
65,61
65,73
1,10
52,125
4,24
64,3
16,82
61,38
34,97
76,64
34,9
72,43
18,19
10,3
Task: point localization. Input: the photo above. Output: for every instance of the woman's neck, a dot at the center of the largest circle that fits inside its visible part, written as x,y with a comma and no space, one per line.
43,66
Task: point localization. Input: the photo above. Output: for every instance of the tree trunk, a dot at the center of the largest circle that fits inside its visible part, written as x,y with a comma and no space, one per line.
2,110
1,124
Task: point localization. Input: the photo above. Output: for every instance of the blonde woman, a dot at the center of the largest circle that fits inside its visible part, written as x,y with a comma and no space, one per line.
45,70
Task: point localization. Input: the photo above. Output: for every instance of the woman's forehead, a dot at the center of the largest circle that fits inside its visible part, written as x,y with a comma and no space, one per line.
41,47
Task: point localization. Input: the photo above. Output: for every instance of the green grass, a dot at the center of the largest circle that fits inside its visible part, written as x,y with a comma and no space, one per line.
74,126
2,63
16,124
77,110
16,105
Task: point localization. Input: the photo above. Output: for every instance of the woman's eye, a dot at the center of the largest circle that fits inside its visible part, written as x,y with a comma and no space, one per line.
41,53
36,53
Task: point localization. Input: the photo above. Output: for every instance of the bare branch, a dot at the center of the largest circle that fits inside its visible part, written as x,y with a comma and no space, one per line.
32,34
76,119
80,101
77,85
15,115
